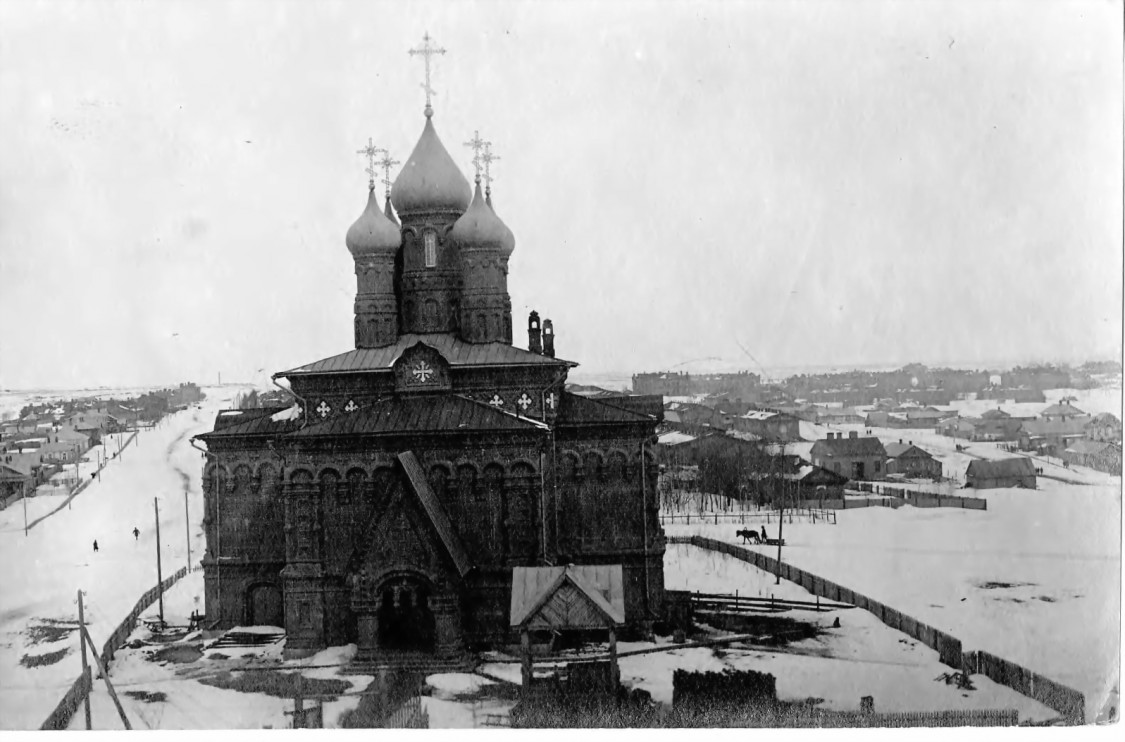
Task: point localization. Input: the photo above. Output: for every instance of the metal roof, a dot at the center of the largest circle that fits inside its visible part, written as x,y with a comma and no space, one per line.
1014,467
851,447
420,414
576,410
598,587
456,351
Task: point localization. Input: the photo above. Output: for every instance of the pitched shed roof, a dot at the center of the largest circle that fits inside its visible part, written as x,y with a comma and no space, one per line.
851,447
1037,428
456,351
572,597
895,450
1014,467
1068,410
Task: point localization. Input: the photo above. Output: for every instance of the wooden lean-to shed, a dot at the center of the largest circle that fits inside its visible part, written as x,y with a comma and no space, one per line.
573,597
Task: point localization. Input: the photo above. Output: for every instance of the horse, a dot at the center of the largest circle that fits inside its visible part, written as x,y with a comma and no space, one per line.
748,535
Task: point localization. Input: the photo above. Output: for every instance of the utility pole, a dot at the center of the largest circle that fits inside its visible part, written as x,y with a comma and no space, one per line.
187,530
24,498
85,666
781,515
159,574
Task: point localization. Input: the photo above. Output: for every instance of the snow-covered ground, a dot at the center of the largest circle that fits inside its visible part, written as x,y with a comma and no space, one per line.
1034,579
43,570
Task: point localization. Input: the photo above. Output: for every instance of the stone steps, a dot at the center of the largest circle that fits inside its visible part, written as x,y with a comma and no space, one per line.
409,662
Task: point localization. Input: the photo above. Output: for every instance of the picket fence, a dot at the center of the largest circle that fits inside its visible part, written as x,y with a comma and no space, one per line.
80,689
1069,703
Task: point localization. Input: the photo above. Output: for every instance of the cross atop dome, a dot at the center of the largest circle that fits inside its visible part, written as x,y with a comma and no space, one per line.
488,158
387,163
370,151
427,51
477,144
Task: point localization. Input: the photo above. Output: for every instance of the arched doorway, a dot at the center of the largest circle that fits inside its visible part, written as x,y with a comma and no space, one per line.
264,606
406,619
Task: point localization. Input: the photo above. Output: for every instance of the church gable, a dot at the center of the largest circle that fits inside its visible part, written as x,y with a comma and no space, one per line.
402,539
421,368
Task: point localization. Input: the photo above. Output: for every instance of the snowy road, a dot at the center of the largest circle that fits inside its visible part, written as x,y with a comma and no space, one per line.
39,648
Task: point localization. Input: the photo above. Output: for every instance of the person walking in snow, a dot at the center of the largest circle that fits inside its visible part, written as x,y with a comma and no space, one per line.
95,545
763,534
136,533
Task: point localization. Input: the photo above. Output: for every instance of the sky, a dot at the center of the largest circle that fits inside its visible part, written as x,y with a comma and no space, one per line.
761,185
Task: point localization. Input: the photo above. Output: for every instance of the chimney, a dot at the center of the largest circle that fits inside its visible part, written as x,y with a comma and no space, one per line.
900,441
534,338
548,339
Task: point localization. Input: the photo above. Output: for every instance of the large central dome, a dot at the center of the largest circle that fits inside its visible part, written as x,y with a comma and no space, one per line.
430,180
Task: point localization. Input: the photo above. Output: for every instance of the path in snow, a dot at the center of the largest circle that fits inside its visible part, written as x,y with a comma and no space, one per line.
45,568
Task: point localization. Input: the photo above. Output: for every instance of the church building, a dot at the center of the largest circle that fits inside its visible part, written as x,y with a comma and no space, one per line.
390,503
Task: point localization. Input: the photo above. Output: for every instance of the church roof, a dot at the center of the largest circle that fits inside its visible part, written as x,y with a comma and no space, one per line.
479,225
577,410
455,351
430,180
372,232
261,421
420,414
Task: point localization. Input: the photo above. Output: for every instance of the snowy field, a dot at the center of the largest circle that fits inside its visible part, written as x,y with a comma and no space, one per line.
1034,579
38,640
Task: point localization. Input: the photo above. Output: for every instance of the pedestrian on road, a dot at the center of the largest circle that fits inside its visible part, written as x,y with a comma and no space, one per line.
136,533
95,545
764,534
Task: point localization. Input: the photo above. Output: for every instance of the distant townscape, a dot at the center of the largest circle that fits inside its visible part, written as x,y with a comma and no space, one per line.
51,444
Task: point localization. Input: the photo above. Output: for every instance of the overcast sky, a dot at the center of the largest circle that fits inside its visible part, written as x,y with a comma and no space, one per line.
804,183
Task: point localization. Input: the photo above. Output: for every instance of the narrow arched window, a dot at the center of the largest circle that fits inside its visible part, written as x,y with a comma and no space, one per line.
430,243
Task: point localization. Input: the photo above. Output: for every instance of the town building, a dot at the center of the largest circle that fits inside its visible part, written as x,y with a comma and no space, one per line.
839,416
853,457
1051,437
911,461
1101,455
1062,411
390,504
1104,427
1014,472
769,425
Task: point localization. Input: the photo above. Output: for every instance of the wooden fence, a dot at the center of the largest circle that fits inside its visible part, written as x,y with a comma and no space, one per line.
923,499
1069,703
410,715
80,689
799,515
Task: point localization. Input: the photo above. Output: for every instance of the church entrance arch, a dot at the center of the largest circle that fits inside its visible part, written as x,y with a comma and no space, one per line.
406,618
264,606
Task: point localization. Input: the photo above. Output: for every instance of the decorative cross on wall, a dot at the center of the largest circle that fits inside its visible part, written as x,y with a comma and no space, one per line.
351,406
496,401
422,372
551,400
524,401
323,409
427,51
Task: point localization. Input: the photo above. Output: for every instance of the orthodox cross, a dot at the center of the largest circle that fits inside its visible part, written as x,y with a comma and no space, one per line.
477,144
387,163
423,371
488,158
427,51
370,151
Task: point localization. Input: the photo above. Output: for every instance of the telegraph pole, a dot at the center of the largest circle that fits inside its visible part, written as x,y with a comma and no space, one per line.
85,667
187,530
159,575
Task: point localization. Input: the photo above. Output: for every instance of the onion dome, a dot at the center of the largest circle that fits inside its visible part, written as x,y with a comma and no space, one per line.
372,232
430,180
508,243
479,225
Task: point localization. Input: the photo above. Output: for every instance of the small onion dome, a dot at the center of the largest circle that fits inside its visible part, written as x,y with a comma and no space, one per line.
508,243
479,225
372,232
430,180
